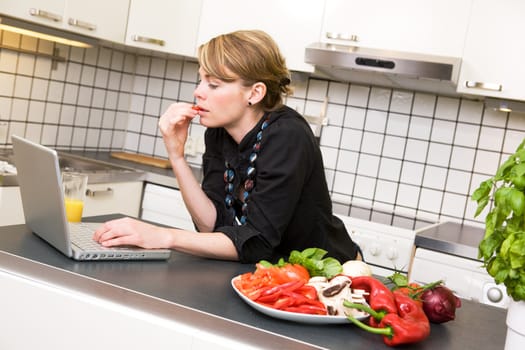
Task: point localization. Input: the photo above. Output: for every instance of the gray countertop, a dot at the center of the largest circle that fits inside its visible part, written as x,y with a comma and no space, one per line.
159,176
451,238
199,291
147,173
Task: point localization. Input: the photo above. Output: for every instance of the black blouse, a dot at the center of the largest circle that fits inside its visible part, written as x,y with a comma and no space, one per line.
290,207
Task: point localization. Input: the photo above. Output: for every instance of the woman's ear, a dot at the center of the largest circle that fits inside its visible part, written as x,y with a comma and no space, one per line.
257,93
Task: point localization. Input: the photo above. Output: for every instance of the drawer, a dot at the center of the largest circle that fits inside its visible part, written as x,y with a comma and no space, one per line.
164,205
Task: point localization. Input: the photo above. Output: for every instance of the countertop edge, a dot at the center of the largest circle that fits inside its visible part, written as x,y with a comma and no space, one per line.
205,322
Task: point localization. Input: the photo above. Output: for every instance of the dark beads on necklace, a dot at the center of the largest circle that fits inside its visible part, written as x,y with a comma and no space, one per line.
229,174
249,183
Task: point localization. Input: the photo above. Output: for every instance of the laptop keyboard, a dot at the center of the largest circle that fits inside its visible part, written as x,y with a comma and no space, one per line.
82,235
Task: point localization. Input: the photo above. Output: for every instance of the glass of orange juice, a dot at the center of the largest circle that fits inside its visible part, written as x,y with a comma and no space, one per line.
74,186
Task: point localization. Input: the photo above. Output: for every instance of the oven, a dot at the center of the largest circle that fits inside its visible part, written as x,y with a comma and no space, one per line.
448,251
385,248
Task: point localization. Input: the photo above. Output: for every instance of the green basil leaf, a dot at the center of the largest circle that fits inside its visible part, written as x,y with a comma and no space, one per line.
482,203
505,168
265,263
331,267
517,201
483,190
519,169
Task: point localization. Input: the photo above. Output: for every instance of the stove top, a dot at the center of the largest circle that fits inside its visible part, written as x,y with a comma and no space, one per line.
451,238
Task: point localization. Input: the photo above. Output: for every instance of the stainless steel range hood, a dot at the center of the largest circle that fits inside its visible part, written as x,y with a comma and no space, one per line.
339,62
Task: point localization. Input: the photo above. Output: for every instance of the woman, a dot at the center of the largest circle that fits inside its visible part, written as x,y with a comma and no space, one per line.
264,191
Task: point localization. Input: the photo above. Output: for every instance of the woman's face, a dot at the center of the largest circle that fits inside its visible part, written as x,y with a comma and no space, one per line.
223,103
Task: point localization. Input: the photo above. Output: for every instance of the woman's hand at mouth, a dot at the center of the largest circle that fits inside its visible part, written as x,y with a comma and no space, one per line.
174,124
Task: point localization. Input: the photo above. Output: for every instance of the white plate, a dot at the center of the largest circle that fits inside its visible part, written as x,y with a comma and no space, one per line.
293,316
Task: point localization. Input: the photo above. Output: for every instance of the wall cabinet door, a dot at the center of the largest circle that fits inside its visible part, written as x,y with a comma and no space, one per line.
113,198
293,24
493,58
167,26
47,12
97,18
435,27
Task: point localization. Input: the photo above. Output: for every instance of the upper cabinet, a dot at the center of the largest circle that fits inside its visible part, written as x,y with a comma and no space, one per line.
492,62
97,18
293,24
102,19
50,13
167,26
436,27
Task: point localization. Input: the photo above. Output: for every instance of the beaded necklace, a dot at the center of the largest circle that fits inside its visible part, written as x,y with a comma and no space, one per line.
249,183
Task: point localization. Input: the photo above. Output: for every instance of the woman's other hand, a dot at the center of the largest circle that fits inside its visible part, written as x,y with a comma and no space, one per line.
128,231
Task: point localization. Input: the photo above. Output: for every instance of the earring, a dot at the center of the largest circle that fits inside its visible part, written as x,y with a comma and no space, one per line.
249,103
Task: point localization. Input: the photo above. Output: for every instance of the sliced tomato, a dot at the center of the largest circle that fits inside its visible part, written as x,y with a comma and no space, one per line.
296,272
281,287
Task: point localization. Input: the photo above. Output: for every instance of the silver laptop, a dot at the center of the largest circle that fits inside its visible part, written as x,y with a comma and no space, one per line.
39,177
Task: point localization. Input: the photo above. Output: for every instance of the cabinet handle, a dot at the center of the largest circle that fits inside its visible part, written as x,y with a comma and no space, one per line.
91,193
484,86
81,24
146,40
339,36
45,14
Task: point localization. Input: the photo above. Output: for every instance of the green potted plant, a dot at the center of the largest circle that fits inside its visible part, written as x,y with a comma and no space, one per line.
502,249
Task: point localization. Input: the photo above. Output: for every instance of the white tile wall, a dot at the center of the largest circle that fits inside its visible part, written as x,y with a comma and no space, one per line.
401,157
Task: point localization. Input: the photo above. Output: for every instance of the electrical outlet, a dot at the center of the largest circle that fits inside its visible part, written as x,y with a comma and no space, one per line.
189,147
200,147
3,132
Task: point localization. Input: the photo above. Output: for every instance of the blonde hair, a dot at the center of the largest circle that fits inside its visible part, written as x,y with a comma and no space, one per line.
252,56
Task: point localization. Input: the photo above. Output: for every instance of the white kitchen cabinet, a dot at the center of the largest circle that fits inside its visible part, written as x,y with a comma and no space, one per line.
167,26
58,315
104,198
97,18
11,211
293,24
112,198
436,27
493,57
47,12
164,205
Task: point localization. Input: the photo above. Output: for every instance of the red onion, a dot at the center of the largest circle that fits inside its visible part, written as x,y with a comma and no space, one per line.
439,304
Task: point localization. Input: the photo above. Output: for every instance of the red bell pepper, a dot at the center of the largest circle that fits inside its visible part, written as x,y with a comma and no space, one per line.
379,297
407,325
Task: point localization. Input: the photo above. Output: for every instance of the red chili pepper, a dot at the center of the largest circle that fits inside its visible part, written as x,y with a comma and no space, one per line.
408,325
379,297
271,293
307,309
282,288
300,299
283,302
308,291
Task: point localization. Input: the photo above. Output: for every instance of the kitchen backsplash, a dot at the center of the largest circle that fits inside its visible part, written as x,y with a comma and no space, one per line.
393,156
